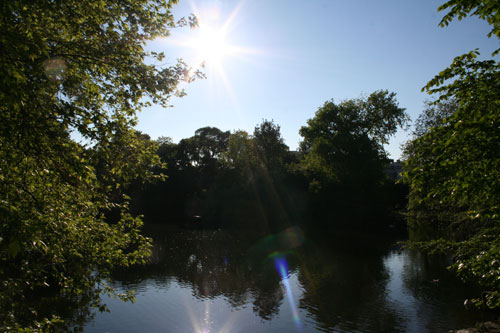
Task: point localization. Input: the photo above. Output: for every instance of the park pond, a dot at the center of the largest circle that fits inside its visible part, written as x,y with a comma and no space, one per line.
216,281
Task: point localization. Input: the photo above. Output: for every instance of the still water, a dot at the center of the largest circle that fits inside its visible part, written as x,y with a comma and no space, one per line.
214,281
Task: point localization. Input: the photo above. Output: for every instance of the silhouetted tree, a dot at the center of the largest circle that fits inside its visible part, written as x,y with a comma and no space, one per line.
344,154
270,146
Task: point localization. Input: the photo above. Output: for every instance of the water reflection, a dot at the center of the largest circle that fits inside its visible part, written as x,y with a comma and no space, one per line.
427,294
213,281
281,265
345,289
213,264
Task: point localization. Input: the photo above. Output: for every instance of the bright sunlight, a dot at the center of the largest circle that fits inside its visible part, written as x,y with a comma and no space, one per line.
214,45
211,41
211,46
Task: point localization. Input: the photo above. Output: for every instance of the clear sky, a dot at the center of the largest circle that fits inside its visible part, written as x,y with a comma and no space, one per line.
282,59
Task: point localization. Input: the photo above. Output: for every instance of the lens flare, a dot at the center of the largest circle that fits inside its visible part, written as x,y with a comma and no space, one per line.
282,268
276,248
285,241
55,69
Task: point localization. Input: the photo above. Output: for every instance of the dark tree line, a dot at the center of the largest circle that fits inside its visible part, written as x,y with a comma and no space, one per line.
254,182
222,179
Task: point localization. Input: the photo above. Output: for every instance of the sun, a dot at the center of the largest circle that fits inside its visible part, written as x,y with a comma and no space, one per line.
211,46
212,43
216,47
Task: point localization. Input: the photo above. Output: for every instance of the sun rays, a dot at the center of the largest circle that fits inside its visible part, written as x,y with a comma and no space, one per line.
215,47
212,41
211,46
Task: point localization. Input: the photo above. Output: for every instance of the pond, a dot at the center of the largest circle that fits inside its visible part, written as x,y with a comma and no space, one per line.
215,281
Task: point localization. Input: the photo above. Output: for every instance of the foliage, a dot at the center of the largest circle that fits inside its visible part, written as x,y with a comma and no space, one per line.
241,155
270,145
252,183
73,69
488,10
453,170
453,166
344,141
221,179
435,114
203,150
345,159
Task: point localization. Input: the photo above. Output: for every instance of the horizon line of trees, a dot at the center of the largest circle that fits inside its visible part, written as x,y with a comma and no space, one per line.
336,179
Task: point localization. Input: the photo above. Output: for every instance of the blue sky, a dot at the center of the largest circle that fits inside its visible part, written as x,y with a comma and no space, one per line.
301,53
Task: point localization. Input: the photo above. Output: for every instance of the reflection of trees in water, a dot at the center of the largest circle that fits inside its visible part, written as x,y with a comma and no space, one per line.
345,291
212,263
428,279
344,282
267,304
438,294
76,311
341,290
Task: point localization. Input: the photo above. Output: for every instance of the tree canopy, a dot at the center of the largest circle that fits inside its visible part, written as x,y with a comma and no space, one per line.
74,70
345,141
271,147
488,10
453,165
345,159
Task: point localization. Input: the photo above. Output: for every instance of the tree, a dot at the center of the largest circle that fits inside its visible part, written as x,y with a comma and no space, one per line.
488,10
435,114
209,143
345,158
453,167
73,69
204,149
241,155
167,151
430,218
344,142
270,146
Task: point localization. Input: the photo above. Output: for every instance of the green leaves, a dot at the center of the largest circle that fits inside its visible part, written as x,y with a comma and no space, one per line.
453,163
347,138
270,147
74,69
488,10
